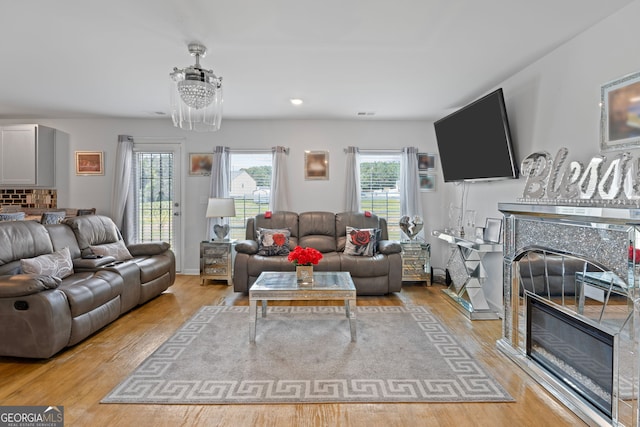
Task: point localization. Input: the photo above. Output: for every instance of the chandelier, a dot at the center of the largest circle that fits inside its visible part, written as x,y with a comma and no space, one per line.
196,95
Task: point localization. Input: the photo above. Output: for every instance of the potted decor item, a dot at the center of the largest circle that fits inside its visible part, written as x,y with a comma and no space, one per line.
304,259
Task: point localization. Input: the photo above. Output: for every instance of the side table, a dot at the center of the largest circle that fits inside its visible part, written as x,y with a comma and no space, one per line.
416,262
216,260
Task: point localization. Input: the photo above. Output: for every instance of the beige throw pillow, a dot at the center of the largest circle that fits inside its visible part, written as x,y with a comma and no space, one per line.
118,250
57,264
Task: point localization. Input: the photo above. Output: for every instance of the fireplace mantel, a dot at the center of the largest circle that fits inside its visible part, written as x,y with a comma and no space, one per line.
600,236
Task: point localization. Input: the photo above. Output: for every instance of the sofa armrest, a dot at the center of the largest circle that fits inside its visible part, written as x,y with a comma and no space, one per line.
20,285
388,247
148,248
91,263
249,247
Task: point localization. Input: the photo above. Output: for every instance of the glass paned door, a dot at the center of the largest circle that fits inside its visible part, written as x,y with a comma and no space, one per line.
157,196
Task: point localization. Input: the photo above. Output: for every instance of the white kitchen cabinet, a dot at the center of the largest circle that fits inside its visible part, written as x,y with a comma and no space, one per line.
27,156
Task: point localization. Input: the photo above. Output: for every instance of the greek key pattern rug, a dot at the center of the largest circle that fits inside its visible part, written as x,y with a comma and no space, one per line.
305,354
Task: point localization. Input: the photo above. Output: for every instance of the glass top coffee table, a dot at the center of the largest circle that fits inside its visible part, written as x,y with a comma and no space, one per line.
283,286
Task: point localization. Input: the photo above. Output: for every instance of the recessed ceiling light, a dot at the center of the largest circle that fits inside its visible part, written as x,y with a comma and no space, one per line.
296,101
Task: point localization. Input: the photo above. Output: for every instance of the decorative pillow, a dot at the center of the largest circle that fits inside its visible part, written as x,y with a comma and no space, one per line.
57,264
118,250
360,242
273,242
52,217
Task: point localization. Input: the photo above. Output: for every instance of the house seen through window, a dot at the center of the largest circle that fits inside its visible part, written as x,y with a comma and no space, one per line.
250,186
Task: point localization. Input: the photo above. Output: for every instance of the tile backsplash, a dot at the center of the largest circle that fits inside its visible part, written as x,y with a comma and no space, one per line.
29,197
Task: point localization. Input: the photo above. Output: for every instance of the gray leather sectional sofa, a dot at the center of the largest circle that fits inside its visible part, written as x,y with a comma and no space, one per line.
325,231
41,313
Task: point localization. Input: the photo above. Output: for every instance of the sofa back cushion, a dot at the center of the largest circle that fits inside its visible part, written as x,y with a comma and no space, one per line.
93,230
62,236
318,230
277,220
358,220
22,239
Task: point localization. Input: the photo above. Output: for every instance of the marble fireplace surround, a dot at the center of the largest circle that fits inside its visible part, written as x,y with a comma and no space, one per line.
601,236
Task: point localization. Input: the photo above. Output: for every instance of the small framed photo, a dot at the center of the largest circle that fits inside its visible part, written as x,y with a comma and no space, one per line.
620,113
426,161
316,165
89,163
427,182
493,230
200,164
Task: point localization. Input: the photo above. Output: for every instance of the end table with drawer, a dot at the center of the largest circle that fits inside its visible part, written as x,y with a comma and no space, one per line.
416,262
216,261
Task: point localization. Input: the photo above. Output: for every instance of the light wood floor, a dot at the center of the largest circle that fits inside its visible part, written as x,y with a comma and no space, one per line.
79,377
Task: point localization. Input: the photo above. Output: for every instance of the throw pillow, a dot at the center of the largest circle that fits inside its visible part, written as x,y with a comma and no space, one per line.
360,242
273,242
118,250
57,264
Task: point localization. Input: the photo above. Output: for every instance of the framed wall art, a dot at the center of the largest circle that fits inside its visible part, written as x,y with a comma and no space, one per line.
200,164
316,165
620,113
427,182
426,161
89,163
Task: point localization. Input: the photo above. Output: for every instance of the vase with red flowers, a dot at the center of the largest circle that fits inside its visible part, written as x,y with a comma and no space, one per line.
304,259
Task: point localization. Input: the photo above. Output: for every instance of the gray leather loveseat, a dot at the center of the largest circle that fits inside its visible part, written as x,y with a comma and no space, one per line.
55,291
378,273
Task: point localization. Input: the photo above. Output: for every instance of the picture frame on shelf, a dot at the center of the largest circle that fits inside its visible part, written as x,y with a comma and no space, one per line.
316,165
89,163
427,182
620,113
426,161
200,164
493,230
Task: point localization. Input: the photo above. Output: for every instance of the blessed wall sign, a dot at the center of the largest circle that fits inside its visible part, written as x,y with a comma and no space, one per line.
557,180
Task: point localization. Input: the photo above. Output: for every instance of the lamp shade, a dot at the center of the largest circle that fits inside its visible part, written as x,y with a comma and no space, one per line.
221,208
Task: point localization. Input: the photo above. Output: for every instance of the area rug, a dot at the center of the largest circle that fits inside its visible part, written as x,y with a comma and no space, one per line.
304,354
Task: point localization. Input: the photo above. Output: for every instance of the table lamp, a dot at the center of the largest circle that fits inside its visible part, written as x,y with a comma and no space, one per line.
222,208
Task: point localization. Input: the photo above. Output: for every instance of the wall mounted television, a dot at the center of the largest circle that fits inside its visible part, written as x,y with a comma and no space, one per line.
475,142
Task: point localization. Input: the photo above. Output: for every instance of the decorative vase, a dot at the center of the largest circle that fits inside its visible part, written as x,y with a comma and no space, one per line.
304,274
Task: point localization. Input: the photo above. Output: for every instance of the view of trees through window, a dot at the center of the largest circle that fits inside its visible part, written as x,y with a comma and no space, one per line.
250,186
379,186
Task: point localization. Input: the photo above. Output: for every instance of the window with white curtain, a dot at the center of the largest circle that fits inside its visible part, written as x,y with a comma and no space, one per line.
379,187
249,185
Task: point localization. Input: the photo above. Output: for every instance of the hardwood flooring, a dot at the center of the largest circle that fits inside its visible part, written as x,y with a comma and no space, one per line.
79,377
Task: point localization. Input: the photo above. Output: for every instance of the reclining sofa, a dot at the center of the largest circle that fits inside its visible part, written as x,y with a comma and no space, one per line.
377,273
60,283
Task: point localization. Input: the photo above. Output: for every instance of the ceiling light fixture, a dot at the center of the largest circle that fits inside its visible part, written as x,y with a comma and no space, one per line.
296,101
196,95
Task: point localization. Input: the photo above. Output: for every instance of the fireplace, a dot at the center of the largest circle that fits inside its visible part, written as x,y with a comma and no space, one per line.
571,300
579,353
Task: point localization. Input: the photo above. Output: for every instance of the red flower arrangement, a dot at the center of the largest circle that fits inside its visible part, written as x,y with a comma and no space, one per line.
304,256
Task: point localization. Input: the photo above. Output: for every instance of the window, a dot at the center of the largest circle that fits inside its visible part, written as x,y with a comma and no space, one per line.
250,186
379,187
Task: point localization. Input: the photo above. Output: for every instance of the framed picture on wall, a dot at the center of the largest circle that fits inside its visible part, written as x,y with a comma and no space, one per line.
620,113
200,164
89,163
426,161
427,182
316,165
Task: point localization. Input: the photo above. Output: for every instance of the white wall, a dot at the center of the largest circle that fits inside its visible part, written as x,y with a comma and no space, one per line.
554,103
300,135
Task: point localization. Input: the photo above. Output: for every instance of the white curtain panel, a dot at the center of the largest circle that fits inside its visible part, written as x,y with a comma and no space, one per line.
352,178
122,185
279,197
410,201
219,186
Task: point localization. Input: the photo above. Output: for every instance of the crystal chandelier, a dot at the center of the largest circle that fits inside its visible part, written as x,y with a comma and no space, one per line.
196,95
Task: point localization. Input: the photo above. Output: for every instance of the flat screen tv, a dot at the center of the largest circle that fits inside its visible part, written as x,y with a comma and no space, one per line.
475,142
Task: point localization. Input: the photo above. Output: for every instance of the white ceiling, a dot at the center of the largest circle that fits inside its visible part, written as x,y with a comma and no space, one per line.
406,59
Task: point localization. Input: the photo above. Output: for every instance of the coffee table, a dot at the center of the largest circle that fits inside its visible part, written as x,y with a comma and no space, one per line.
279,286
